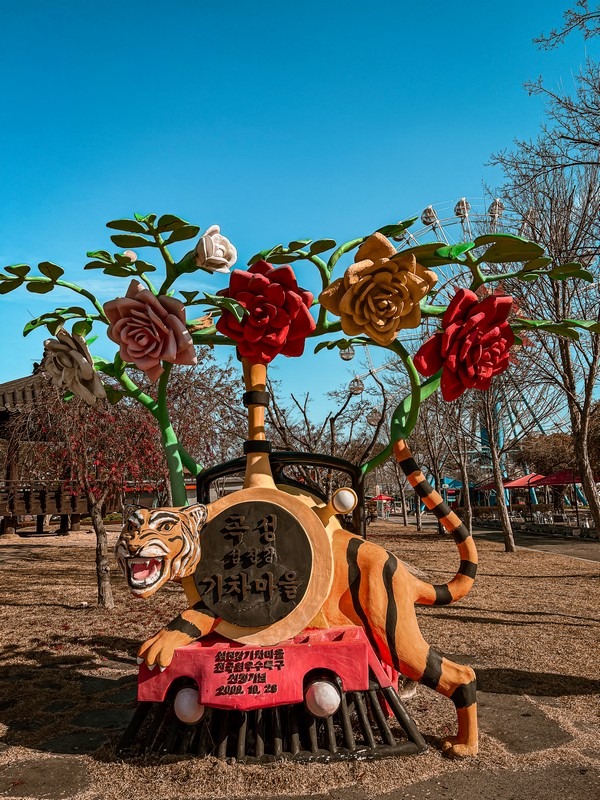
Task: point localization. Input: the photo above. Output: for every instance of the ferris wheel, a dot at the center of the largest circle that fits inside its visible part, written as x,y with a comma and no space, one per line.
449,223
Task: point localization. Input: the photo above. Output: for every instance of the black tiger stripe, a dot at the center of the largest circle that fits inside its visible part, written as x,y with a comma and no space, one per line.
201,606
423,489
465,695
159,516
408,466
354,578
468,568
391,616
174,538
433,669
183,626
256,398
441,510
460,534
442,595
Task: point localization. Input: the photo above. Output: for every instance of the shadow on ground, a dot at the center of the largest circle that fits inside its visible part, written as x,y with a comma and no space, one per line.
68,704
543,684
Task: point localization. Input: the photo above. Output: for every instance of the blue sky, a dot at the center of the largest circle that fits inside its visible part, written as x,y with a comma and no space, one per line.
275,120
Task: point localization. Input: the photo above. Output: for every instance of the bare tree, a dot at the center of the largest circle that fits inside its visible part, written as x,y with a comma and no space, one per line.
343,432
577,18
571,135
93,451
566,221
205,407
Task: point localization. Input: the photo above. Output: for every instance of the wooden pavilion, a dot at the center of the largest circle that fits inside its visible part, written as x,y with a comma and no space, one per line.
20,496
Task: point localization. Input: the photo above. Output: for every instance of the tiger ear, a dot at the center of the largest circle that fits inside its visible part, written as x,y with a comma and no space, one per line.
198,514
129,509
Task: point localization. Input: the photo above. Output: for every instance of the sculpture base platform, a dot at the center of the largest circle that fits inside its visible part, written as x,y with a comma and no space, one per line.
257,726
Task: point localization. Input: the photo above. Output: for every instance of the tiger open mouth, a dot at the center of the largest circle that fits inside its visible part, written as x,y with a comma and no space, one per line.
144,572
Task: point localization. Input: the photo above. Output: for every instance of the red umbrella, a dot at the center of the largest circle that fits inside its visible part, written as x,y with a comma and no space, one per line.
382,497
524,482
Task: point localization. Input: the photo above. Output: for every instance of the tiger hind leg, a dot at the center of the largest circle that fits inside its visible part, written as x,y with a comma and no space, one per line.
379,596
457,682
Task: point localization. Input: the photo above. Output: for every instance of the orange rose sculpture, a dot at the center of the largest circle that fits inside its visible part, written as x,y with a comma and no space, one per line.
379,295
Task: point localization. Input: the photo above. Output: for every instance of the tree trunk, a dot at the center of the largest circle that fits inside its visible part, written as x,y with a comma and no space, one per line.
105,595
587,478
437,483
418,512
509,540
467,513
403,497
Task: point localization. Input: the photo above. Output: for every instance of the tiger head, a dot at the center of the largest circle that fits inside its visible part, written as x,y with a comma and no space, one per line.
157,545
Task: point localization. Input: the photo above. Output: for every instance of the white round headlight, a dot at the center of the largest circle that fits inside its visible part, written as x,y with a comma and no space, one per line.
322,699
344,500
186,706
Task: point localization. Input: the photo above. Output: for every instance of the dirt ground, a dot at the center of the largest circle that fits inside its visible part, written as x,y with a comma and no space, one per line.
530,627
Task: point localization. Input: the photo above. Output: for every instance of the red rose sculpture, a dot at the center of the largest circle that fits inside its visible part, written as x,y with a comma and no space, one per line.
278,319
472,346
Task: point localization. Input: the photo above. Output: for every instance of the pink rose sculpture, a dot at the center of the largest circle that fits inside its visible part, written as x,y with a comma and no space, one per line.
472,346
149,329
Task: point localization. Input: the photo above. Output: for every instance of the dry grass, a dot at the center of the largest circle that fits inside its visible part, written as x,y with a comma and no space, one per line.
530,627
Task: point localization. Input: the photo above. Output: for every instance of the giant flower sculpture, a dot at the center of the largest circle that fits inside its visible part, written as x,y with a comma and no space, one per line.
68,362
149,330
472,346
264,312
277,319
380,293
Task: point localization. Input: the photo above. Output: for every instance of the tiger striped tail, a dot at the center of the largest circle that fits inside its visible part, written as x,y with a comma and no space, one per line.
461,583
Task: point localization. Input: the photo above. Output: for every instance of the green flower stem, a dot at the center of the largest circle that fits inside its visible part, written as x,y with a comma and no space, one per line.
502,276
324,270
73,286
323,324
415,387
478,276
211,337
322,321
326,326
170,442
168,259
188,462
377,460
342,249
132,389
433,311
142,276
406,413
177,455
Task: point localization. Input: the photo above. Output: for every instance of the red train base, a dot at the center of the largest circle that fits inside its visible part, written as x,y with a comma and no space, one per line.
322,695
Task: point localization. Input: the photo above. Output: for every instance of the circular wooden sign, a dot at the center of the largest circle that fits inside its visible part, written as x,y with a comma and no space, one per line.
266,565
256,563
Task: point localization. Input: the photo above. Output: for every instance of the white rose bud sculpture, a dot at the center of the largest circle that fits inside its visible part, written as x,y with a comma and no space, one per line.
68,361
214,252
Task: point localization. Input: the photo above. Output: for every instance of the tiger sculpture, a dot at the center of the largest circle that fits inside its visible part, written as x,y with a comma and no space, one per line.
371,588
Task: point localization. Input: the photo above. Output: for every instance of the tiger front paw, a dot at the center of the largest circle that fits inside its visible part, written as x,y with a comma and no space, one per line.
159,649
